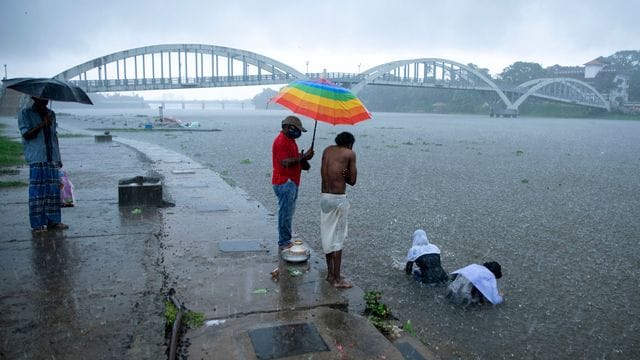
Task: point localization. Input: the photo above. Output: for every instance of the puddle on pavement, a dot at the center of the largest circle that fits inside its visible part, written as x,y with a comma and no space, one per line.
286,340
240,246
408,352
211,208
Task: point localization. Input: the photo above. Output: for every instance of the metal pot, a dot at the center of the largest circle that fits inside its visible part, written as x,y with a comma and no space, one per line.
297,253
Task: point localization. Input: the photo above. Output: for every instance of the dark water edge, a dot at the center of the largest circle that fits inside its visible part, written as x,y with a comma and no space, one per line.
555,201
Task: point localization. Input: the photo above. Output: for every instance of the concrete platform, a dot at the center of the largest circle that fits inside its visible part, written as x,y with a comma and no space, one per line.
97,289
344,335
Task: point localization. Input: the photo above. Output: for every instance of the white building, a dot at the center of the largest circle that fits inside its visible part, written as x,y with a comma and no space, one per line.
593,67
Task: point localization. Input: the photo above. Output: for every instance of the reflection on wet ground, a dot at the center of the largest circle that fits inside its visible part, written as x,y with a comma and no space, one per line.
286,340
91,291
53,265
555,201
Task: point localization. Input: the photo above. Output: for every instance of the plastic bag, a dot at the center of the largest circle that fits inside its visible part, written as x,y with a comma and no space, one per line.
66,192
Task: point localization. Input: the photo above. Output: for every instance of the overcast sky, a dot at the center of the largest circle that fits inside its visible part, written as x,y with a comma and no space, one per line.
46,37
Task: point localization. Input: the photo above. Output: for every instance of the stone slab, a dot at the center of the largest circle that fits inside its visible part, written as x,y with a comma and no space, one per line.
276,342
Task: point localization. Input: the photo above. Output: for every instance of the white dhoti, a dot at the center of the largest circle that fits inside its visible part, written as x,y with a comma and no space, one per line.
334,209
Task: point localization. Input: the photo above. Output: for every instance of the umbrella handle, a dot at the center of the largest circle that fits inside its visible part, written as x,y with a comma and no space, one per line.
313,139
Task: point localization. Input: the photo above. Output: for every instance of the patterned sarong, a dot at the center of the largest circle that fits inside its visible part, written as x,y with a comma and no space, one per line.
44,194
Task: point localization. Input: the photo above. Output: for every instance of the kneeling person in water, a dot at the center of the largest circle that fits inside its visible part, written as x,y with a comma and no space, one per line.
427,257
476,284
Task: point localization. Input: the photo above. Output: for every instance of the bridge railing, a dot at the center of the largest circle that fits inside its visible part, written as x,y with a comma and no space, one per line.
459,83
337,77
177,82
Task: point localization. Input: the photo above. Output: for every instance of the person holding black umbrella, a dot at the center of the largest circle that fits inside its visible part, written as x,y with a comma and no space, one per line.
38,128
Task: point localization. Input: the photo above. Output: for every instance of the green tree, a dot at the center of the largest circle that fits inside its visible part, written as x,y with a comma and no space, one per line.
520,72
625,59
483,71
628,62
261,100
634,85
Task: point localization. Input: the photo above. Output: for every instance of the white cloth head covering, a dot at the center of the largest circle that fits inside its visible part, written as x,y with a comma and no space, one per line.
483,280
421,246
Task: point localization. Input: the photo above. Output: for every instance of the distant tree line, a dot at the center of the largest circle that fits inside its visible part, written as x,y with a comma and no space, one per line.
109,101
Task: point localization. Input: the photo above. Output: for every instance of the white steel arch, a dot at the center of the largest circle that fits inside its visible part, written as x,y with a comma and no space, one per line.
281,72
378,71
577,85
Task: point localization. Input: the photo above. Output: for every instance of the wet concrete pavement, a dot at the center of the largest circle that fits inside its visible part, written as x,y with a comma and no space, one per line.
97,289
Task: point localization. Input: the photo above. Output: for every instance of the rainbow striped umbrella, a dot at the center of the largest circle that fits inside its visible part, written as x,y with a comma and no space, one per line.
323,101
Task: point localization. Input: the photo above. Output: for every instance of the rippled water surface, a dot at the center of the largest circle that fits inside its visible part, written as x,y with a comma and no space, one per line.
555,201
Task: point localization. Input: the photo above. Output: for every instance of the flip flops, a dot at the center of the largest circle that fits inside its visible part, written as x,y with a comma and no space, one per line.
285,247
39,230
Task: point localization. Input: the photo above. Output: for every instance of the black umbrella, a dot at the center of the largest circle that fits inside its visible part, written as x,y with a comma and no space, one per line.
51,89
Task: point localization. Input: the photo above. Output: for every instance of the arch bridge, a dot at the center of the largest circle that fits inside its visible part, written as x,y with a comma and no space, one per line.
443,73
180,66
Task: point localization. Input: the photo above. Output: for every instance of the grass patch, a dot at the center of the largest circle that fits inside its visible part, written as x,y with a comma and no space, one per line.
245,161
380,315
519,152
12,184
191,319
9,172
10,152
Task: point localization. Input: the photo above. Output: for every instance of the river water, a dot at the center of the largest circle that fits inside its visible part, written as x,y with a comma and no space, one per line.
555,201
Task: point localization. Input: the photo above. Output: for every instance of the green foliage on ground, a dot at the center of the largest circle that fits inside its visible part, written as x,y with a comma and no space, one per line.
378,312
10,152
190,319
10,184
4,171
193,319
170,312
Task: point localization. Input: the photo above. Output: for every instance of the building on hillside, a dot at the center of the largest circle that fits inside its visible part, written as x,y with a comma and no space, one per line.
575,72
593,67
619,95
589,71
598,72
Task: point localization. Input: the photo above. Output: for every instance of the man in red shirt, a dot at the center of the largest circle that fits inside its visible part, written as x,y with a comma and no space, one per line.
288,164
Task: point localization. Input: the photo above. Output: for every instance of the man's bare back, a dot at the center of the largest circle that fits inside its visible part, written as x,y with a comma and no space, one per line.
338,169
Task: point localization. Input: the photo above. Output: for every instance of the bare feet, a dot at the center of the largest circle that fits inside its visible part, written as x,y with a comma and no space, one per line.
330,279
342,284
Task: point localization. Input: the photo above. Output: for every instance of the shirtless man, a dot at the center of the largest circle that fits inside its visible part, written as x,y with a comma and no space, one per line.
338,169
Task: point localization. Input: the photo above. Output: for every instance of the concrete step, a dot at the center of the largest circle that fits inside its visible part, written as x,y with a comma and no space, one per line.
319,334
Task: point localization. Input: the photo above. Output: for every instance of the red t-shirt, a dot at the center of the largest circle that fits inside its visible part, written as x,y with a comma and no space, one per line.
284,148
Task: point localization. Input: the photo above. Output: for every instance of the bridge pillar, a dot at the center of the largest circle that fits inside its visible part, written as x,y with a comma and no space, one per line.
183,105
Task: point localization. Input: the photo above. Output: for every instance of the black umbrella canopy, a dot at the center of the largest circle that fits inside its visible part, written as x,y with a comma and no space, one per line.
48,88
